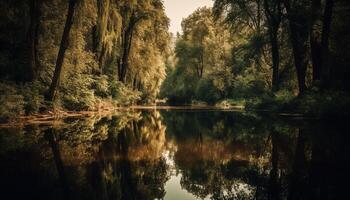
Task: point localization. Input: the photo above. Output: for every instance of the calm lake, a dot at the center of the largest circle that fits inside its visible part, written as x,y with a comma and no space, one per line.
175,154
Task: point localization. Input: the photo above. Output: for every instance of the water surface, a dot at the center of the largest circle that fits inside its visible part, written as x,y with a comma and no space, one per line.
175,155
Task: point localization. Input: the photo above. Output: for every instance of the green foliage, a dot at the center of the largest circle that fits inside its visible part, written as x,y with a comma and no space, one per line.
100,85
12,103
229,103
76,93
11,107
17,100
271,101
179,87
327,104
223,55
94,54
284,95
32,98
206,91
122,94
244,87
201,65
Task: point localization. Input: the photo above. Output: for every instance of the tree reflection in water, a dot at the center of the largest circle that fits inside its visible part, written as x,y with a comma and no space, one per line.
219,155
242,156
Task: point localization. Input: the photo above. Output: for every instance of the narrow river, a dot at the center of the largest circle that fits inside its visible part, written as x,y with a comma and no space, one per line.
175,154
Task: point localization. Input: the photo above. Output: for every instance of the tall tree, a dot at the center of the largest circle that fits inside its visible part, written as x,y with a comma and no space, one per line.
132,13
149,52
197,32
315,40
247,17
298,19
101,32
127,37
62,50
319,40
326,29
33,36
273,13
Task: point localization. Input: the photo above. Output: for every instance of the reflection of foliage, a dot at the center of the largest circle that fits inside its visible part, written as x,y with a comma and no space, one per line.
151,138
133,156
100,156
218,155
141,138
150,177
226,155
81,139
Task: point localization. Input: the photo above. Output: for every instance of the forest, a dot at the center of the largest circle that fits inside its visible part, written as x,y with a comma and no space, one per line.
102,99
86,55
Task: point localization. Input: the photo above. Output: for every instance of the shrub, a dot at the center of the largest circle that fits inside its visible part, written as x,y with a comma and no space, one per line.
271,101
32,98
198,103
179,86
284,96
11,103
328,104
101,86
76,93
11,108
228,103
206,91
248,88
122,94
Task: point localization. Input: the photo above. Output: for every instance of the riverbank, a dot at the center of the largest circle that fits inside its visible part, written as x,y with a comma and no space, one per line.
326,106
57,117
51,117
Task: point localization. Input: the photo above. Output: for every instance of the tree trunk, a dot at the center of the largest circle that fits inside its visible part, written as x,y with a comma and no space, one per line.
55,147
198,69
315,41
124,61
297,183
63,47
127,36
273,14
327,20
33,37
101,59
299,33
202,64
275,58
300,58
316,56
101,29
124,65
274,188
134,82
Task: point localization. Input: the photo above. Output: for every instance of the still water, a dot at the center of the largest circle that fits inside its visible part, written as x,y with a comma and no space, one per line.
175,155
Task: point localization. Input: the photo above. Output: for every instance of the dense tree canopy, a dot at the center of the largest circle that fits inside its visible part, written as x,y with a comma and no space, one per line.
201,52
279,53
99,50
88,54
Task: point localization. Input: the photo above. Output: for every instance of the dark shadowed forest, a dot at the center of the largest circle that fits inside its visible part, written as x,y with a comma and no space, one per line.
277,55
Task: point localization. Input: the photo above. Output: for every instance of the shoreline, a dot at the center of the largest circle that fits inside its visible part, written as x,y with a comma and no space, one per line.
51,118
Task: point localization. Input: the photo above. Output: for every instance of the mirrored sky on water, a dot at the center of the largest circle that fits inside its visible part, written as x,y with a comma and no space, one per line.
176,10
